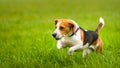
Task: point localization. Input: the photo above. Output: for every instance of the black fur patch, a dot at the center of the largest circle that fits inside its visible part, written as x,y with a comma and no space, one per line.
89,36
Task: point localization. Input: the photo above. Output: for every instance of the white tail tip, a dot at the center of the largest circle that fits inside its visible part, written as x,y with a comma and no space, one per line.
101,20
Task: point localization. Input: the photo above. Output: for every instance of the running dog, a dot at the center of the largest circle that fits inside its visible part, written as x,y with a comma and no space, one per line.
69,34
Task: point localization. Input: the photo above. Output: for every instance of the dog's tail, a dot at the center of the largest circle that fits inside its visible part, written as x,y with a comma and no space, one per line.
101,20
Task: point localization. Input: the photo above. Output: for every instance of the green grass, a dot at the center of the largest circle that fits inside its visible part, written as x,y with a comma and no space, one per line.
26,28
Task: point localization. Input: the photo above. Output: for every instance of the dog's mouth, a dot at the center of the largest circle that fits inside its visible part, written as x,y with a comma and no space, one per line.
57,38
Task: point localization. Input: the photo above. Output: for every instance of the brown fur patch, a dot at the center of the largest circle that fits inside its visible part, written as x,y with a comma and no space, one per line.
99,42
99,49
67,26
82,35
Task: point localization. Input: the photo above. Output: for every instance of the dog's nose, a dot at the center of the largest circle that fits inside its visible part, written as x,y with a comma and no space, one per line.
54,34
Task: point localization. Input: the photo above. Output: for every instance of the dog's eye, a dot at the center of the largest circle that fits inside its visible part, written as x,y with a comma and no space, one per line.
61,28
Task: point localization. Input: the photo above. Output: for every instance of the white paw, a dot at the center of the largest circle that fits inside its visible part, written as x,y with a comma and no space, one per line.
70,52
59,47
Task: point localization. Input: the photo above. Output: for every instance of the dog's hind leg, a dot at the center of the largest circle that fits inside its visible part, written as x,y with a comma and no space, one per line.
100,47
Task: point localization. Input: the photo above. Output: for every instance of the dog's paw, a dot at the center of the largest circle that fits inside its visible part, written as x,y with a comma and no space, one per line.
93,48
70,53
59,47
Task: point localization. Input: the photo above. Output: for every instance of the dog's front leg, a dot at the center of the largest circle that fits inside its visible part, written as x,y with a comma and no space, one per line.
59,44
77,47
72,49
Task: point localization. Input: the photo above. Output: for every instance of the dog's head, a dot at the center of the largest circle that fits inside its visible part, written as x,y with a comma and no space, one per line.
64,27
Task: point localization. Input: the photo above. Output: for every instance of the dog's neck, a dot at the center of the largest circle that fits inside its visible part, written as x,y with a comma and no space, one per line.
73,32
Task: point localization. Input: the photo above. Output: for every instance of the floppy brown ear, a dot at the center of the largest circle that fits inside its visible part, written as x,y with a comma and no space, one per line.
72,26
56,21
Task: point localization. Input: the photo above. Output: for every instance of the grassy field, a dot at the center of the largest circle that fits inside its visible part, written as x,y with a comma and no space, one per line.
26,27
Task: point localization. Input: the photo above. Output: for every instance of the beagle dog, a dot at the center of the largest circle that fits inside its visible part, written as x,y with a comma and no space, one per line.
69,34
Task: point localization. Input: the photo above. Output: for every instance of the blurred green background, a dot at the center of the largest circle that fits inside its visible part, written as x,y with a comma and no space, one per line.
26,27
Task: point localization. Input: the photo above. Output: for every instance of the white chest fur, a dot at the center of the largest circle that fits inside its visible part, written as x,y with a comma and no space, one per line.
71,41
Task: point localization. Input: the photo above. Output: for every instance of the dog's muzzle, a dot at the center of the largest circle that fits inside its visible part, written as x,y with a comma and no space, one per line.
55,36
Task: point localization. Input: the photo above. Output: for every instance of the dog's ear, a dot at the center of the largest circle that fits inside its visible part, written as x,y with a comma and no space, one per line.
72,26
56,21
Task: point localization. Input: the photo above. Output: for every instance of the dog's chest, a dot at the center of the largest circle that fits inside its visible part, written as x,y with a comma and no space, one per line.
69,41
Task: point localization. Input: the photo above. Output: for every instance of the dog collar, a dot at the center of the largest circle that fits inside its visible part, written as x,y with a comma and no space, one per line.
75,32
